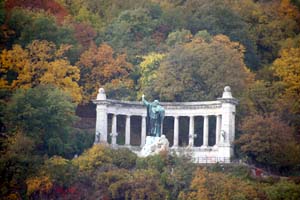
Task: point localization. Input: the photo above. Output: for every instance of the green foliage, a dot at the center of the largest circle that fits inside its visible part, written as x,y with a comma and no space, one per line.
60,170
43,113
218,18
156,162
135,32
30,26
84,15
283,190
198,70
18,160
178,37
123,158
261,97
197,47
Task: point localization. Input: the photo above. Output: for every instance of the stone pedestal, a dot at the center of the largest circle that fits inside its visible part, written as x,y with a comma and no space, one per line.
154,145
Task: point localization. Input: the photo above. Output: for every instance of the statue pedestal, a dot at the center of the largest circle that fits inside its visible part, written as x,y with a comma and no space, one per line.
154,145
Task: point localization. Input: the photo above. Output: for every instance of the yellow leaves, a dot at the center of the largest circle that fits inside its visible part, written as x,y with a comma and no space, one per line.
216,185
41,184
93,158
150,59
198,186
287,68
149,67
41,62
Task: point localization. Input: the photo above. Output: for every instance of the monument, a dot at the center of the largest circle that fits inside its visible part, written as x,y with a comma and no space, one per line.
221,110
155,141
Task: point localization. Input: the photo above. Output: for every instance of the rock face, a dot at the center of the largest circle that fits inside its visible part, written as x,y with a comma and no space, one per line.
154,145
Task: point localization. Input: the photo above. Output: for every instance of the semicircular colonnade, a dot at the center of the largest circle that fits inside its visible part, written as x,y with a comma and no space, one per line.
223,109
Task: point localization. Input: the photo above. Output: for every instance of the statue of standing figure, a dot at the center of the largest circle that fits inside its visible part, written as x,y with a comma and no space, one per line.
155,117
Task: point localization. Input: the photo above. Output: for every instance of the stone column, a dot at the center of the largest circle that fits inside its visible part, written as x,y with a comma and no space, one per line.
176,131
228,115
218,128
114,124
114,133
127,130
225,147
205,131
191,131
101,118
143,137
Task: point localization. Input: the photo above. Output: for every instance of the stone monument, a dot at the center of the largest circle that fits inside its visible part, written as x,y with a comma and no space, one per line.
155,142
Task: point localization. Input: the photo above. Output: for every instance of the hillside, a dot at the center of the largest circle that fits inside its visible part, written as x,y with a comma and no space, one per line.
56,54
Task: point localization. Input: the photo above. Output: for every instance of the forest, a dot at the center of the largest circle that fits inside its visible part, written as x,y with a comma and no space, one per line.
56,54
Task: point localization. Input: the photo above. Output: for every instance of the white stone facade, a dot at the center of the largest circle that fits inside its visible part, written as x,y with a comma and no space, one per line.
223,109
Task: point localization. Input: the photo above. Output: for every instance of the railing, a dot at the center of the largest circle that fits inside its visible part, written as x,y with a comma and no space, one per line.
209,160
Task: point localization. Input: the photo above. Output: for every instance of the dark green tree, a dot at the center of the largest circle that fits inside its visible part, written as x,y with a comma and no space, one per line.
29,26
43,113
218,18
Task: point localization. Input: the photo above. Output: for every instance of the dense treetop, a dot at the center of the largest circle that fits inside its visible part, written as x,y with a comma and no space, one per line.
55,54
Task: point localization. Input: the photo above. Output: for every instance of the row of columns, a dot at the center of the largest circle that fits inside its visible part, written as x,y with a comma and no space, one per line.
176,130
114,133
192,130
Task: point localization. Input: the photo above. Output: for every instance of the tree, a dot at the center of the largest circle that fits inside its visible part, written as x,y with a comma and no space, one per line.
177,37
199,70
101,67
149,67
217,17
283,190
287,68
215,185
43,113
41,62
50,6
18,161
134,32
142,184
268,140
93,158
272,22
30,25
260,98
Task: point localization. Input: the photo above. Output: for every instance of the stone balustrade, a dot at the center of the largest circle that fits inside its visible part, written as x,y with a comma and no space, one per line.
223,109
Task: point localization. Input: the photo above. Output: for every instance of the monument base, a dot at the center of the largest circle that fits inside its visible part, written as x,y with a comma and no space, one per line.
154,145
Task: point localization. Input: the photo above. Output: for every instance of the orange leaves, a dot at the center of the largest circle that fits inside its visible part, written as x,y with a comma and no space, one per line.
101,66
41,62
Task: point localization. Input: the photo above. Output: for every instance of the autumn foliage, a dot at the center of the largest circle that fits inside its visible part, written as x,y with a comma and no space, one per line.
49,5
56,54
100,67
39,63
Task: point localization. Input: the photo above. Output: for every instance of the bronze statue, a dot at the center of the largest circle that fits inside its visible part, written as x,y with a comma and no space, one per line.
155,117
